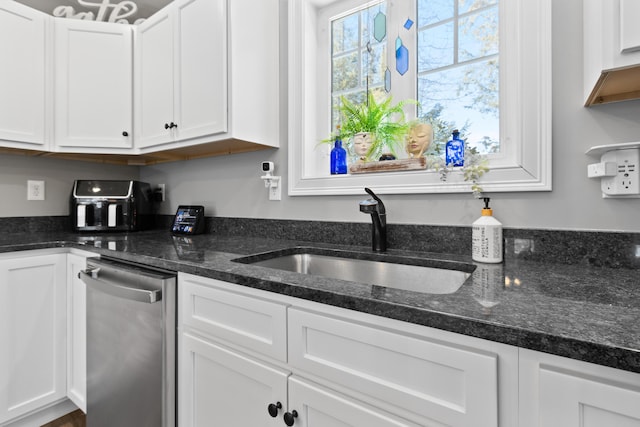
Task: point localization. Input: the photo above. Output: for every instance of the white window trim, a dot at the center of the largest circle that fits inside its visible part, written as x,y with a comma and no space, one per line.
525,121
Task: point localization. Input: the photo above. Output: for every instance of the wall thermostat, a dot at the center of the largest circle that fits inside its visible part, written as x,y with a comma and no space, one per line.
188,220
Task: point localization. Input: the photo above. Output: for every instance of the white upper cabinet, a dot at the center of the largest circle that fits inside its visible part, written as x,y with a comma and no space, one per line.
207,71
23,100
93,82
180,73
201,78
153,77
201,68
611,51
254,71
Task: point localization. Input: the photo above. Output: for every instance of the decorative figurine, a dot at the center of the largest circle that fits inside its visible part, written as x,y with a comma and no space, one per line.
418,139
362,144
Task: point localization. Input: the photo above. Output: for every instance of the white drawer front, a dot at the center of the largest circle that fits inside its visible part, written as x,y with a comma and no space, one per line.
250,322
451,385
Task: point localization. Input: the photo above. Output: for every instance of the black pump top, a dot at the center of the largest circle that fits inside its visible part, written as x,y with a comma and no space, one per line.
486,202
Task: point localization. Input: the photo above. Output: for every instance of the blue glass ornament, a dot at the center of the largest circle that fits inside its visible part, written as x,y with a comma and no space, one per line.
402,57
387,80
408,24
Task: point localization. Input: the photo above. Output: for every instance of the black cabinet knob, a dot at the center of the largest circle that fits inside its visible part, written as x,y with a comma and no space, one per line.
170,125
289,417
166,125
125,133
273,409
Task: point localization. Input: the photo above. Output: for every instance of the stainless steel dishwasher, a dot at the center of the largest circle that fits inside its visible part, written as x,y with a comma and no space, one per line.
131,345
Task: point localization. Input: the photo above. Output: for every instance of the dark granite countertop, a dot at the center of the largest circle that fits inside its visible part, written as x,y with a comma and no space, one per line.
581,312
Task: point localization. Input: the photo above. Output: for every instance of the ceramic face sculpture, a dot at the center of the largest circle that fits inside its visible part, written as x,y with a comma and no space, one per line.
361,143
419,138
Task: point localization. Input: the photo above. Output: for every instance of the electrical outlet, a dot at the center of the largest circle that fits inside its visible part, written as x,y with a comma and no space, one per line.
626,181
275,193
35,190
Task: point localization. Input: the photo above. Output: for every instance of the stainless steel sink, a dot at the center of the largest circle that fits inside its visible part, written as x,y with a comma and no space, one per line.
411,274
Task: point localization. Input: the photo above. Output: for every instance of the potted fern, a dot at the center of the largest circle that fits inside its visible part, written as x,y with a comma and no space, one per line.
372,128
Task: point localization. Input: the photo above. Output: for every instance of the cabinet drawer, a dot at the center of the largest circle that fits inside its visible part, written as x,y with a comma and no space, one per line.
440,383
256,324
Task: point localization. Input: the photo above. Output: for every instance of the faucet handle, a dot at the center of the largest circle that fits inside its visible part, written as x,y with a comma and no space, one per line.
368,206
381,208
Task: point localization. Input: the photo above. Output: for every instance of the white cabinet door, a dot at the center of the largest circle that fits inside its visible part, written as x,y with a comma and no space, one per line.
181,73
93,81
318,406
560,392
219,387
254,71
32,333
201,68
22,76
629,29
611,49
153,78
430,381
76,332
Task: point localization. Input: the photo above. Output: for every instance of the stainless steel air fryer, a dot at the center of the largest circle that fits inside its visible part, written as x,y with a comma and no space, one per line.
100,205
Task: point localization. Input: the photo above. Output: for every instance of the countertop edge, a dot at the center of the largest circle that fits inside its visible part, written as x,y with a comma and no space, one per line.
615,357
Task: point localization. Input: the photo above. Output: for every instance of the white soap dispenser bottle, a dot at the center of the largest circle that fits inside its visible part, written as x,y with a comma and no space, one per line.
487,237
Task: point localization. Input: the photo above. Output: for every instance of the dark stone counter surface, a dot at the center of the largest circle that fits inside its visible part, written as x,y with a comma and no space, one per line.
578,311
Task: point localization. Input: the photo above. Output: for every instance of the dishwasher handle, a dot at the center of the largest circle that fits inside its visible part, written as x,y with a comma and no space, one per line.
90,278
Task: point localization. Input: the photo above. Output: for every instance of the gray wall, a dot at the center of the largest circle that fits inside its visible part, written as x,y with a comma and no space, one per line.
58,176
230,185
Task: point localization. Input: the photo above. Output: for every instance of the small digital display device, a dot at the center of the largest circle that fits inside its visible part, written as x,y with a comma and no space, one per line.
188,220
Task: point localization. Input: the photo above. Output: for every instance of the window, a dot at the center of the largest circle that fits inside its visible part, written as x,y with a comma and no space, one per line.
495,90
358,55
458,70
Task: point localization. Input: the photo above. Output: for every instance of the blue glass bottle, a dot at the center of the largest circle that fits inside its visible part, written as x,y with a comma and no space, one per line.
338,158
455,150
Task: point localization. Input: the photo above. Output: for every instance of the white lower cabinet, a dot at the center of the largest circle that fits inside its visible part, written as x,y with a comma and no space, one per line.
560,392
319,406
218,386
340,368
76,332
431,381
32,333
43,336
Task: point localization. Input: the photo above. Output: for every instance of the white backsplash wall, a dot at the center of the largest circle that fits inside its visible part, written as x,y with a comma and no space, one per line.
58,176
230,186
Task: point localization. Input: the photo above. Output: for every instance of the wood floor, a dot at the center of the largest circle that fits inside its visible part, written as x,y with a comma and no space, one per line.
73,419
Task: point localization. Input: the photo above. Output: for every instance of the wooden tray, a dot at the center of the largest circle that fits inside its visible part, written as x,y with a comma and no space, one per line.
389,165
